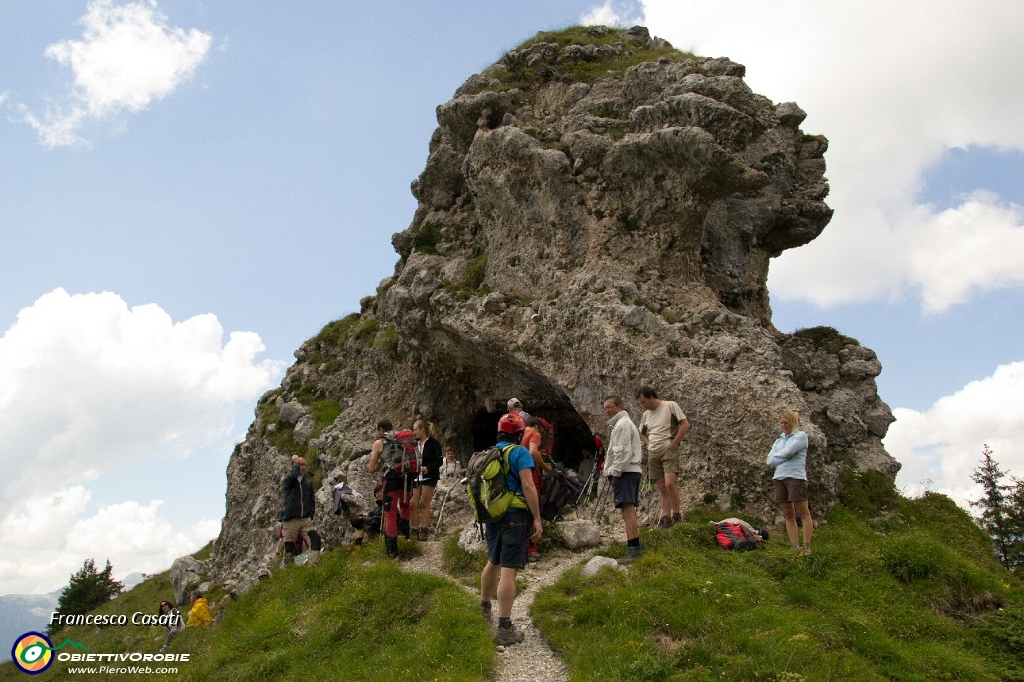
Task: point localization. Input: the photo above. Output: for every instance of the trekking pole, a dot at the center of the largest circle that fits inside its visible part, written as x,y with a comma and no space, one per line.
603,488
586,486
440,514
649,499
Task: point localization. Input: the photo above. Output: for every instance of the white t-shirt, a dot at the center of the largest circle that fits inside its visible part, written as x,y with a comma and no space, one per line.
661,423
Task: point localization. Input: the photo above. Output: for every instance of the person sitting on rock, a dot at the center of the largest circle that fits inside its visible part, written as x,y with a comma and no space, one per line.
369,524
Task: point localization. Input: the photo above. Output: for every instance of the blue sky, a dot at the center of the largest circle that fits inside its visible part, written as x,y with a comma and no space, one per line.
190,189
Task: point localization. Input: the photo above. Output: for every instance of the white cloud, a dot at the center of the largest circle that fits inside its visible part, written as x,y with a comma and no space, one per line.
893,86
940,447
128,57
50,536
612,13
88,384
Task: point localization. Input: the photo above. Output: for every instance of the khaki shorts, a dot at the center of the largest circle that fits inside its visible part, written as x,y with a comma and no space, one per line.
291,528
662,461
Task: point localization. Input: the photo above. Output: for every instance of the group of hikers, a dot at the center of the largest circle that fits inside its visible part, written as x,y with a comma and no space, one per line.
412,463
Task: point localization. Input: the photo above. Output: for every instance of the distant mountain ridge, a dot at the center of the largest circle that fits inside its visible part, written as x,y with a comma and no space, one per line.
21,613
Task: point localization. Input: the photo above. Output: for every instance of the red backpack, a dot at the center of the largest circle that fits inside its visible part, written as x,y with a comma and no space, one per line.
399,452
736,537
547,436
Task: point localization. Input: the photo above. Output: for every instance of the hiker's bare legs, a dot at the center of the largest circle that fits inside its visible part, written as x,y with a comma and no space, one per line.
673,491
506,592
414,511
804,512
669,494
629,518
791,529
426,495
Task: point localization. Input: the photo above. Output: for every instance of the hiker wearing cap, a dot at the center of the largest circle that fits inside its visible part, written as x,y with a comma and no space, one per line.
622,467
507,538
788,457
516,407
299,509
662,427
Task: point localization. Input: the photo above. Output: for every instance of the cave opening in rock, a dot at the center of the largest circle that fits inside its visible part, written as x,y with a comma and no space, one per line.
572,435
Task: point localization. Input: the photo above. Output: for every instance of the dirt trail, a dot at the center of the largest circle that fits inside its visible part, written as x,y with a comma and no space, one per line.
532,660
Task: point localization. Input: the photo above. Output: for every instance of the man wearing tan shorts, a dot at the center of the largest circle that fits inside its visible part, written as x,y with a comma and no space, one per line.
662,427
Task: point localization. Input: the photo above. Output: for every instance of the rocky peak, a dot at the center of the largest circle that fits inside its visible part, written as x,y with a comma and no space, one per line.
597,212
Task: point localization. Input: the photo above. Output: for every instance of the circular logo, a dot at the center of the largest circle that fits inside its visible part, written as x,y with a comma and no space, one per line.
32,653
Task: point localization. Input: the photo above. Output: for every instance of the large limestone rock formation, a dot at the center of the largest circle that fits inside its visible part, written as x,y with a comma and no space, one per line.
597,212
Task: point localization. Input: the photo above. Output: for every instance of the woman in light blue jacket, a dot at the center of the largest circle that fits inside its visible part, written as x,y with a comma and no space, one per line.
788,457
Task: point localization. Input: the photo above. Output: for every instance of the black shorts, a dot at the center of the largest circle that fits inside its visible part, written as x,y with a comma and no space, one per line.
507,539
626,488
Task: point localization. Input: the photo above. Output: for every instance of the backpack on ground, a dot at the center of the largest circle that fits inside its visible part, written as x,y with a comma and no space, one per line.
561,487
737,537
399,452
488,491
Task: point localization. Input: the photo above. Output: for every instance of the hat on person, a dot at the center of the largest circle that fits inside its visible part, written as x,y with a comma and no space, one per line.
514,402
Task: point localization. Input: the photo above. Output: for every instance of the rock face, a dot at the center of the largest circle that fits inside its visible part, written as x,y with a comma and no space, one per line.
597,212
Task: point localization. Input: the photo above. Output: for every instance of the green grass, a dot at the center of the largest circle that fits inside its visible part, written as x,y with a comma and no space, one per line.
584,71
826,338
426,238
356,616
335,333
912,595
909,591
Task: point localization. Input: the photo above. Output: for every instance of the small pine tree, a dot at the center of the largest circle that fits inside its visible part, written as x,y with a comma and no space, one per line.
1015,527
87,589
997,515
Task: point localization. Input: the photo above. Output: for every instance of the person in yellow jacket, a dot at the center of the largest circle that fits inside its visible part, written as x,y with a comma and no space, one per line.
199,616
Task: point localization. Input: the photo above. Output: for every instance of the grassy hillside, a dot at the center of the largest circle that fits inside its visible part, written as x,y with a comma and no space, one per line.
896,589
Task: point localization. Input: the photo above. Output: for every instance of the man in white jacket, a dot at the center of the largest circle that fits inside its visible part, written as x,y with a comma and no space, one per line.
622,467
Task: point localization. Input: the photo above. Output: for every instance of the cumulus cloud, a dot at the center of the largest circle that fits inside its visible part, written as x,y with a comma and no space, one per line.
940,447
892,93
50,535
613,13
128,57
88,384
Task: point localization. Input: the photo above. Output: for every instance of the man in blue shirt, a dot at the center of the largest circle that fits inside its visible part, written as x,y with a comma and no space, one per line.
506,539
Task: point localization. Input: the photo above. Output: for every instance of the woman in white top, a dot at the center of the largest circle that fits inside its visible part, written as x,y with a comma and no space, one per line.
788,457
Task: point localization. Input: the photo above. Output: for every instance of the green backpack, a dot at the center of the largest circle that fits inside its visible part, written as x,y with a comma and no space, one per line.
486,486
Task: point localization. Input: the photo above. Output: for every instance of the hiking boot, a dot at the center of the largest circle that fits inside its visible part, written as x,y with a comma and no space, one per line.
391,545
507,636
485,610
424,534
632,554
665,522
677,517
804,551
